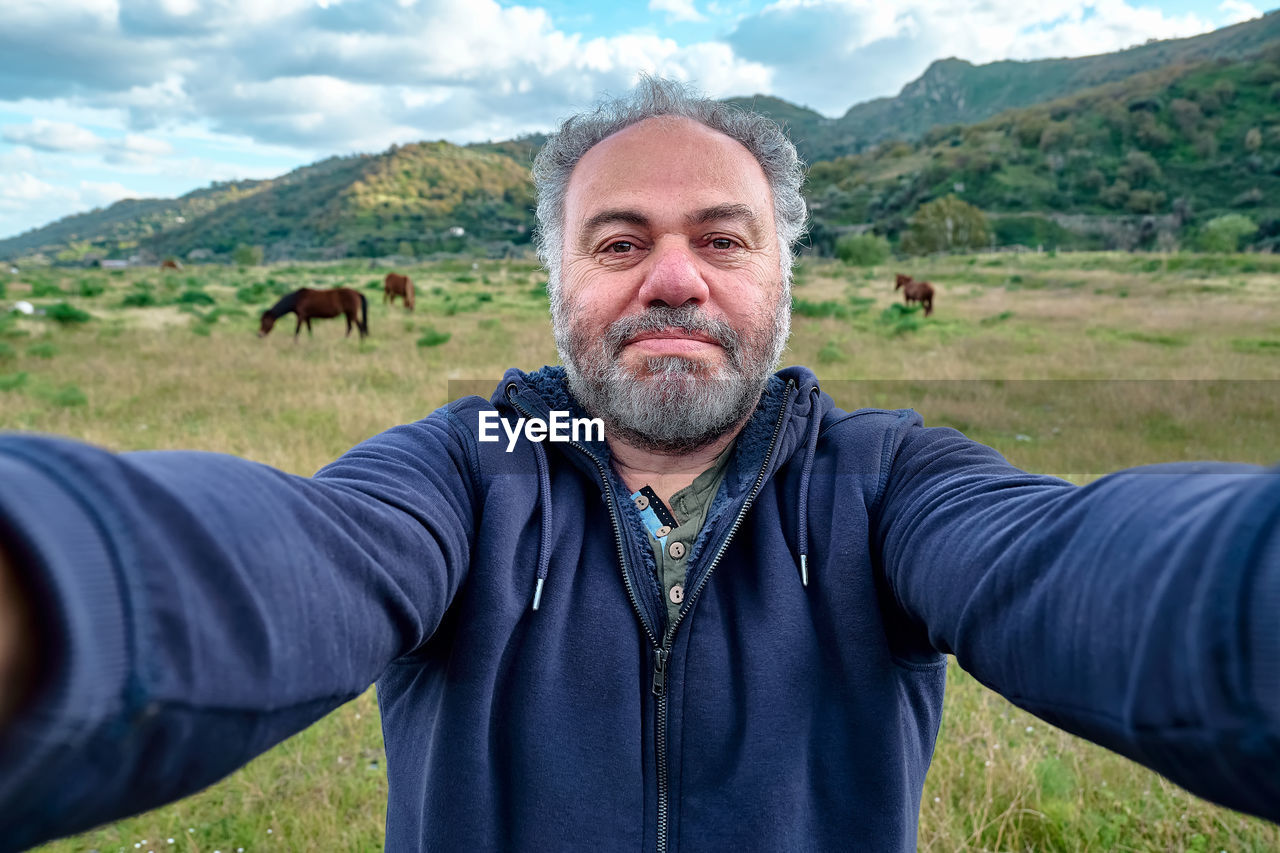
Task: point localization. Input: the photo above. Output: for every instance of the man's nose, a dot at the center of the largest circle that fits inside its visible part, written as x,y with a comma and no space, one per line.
673,277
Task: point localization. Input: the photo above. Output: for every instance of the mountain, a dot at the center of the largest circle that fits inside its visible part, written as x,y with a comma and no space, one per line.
409,199
953,91
1160,151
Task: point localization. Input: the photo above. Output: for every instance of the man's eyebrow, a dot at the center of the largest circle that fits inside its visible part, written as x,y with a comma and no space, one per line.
610,217
722,212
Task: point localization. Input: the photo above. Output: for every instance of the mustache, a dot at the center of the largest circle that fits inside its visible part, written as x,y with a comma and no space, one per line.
688,319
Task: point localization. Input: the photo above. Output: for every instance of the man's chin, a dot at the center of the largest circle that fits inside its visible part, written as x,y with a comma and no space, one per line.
672,367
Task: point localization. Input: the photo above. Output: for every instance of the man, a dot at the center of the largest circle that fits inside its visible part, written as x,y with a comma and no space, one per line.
722,626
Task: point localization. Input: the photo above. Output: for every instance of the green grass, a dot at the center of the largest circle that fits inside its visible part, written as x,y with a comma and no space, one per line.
1061,379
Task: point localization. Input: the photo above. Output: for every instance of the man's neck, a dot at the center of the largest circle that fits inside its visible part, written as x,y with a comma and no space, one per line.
666,473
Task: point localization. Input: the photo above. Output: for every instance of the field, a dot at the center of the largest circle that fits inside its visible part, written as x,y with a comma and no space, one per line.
1071,365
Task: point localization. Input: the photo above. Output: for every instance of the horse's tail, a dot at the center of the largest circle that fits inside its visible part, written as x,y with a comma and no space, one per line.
364,314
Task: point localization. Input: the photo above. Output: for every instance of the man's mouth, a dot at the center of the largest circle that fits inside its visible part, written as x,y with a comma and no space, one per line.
672,342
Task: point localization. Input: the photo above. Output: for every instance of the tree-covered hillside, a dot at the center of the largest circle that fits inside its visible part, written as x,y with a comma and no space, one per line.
408,200
954,91
1160,152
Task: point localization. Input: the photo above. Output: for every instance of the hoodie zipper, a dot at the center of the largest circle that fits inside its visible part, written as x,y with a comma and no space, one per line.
662,650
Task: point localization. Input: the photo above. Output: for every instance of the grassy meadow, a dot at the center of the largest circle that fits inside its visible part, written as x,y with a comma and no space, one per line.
1071,365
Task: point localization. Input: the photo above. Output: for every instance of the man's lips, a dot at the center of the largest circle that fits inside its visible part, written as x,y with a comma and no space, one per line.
673,341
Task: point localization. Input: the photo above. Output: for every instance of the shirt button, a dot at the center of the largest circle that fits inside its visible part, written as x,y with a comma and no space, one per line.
642,503
676,550
662,531
677,593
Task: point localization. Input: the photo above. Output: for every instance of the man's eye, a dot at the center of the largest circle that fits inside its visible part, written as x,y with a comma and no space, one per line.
722,243
621,247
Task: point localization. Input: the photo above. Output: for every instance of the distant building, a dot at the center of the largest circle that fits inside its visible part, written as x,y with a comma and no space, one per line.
112,264
457,231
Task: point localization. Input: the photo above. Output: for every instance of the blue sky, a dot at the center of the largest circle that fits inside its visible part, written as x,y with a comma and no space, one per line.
109,99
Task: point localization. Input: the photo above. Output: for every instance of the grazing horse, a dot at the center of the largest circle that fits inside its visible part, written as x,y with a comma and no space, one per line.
308,303
171,264
395,285
916,291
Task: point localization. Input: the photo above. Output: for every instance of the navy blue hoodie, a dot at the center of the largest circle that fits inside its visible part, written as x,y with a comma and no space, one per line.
200,608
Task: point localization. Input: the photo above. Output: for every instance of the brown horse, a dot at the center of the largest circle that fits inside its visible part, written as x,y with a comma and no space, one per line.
395,285
171,264
322,304
916,291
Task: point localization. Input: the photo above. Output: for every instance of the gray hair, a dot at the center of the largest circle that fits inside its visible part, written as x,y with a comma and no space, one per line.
652,98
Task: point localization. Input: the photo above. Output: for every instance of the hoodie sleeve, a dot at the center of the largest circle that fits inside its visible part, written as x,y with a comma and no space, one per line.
196,609
1141,611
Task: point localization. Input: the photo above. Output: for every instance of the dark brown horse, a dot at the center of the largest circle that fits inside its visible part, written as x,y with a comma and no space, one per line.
916,291
322,304
395,285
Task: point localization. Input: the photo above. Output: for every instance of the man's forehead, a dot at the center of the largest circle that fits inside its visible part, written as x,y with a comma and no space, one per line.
671,159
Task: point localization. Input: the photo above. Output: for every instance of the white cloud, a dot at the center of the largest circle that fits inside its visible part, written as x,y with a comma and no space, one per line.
22,187
27,201
677,10
1235,11
51,136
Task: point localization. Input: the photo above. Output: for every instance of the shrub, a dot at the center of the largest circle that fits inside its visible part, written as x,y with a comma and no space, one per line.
12,381
862,250
42,350
256,292
6,351
41,289
247,256
945,225
66,314
830,352
89,288
1226,233
195,297
804,308
67,396
138,299
432,338
900,319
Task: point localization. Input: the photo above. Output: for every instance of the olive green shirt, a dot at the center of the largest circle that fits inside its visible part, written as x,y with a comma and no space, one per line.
689,506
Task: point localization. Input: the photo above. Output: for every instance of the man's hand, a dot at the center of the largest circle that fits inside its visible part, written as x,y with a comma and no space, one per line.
17,640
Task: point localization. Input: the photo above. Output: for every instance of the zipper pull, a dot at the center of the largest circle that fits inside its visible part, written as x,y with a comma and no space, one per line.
660,672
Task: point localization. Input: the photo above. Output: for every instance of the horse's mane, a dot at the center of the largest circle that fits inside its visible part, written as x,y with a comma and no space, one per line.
287,303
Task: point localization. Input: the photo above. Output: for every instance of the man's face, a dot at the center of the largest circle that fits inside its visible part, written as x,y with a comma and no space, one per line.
673,313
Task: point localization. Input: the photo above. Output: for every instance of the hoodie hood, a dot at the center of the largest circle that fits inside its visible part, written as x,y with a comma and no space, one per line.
786,421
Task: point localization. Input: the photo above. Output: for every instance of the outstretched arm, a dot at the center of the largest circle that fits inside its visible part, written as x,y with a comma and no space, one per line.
17,641
195,609
1141,611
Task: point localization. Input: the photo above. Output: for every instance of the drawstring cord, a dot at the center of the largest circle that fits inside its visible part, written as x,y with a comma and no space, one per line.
544,498
544,501
802,533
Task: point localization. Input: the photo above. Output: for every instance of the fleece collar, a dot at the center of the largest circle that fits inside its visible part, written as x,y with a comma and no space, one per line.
546,389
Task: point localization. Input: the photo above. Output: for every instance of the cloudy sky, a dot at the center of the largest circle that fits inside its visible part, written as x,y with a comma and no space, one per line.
108,99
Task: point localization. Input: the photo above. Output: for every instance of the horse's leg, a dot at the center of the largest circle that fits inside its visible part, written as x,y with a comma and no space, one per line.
347,314
298,329
310,331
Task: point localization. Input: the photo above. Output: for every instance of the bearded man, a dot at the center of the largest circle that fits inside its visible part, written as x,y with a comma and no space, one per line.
724,626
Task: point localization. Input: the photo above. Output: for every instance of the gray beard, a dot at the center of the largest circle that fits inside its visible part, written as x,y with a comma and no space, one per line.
676,404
